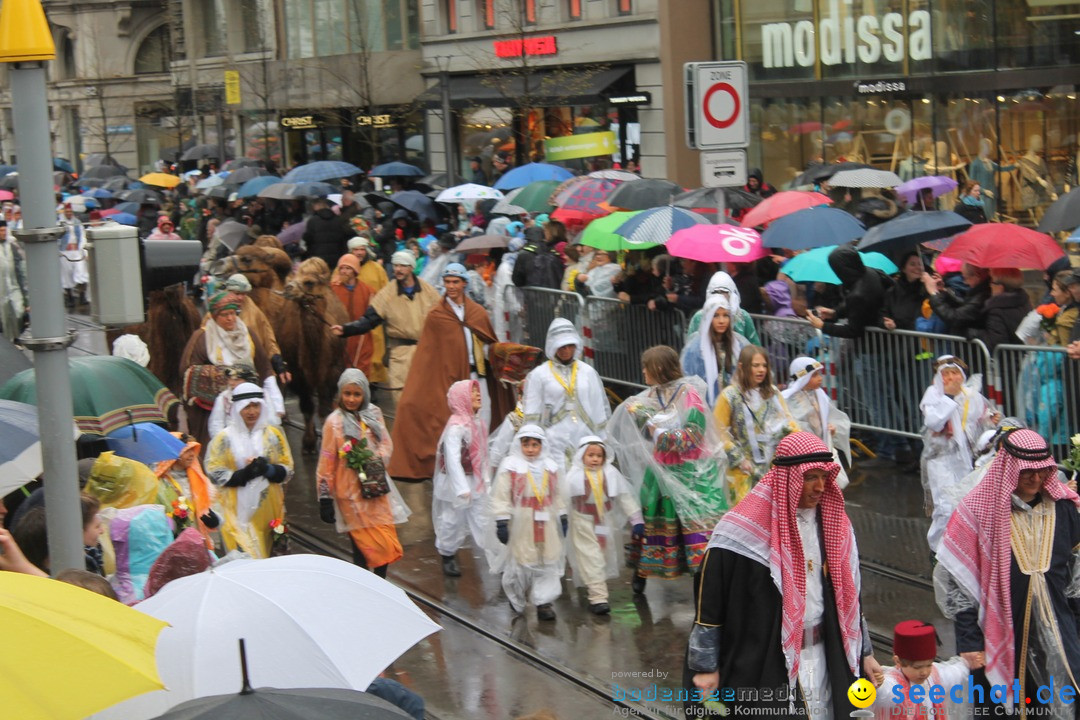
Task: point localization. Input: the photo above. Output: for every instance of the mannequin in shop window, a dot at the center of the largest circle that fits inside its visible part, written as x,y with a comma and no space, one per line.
1035,188
943,162
985,171
914,165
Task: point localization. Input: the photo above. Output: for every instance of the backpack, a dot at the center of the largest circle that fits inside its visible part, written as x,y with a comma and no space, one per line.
545,270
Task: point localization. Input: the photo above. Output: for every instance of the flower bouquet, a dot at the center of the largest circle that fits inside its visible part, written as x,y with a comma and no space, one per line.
1048,313
180,513
1072,462
279,537
369,468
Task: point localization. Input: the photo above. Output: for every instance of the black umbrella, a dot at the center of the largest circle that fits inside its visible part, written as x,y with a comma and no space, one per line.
1063,214
819,172
104,171
416,203
239,177
96,159
907,230
643,194
222,192
231,233
118,183
436,181
202,152
707,199
10,181
141,196
240,163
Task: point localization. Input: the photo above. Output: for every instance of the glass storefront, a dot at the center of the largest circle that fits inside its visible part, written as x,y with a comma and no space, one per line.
362,138
886,83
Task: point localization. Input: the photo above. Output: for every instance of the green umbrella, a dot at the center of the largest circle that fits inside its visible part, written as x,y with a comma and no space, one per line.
534,196
108,393
600,233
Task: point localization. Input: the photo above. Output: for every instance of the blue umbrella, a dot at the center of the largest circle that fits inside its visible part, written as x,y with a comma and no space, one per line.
98,193
417,203
909,229
811,228
212,182
309,190
252,187
145,442
656,225
322,170
813,265
131,208
7,169
125,218
62,164
522,176
396,169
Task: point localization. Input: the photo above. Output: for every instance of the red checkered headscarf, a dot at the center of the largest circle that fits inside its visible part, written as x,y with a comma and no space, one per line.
977,543
763,528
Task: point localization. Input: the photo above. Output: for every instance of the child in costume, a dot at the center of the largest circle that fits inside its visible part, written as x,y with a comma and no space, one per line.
459,505
354,491
188,493
712,352
955,414
814,412
601,502
752,418
234,375
914,650
529,508
250,461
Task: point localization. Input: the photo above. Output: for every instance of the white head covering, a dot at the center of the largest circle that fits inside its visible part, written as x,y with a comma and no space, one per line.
516,461
721,301
801,370
357,242
722,281
561,333
963,411
238,283
133,348
575,478
403,257
243,442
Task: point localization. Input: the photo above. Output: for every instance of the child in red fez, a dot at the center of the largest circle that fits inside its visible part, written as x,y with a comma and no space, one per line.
914,650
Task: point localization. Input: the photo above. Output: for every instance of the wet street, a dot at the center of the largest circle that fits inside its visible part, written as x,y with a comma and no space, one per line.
487,665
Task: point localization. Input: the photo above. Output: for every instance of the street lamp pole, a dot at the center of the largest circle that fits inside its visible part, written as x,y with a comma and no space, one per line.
26,43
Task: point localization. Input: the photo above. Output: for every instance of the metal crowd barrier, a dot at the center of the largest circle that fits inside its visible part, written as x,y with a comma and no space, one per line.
530,310
616,333
1041,387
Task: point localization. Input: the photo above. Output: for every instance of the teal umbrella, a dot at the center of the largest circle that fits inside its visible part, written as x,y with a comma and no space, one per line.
108,393
813,265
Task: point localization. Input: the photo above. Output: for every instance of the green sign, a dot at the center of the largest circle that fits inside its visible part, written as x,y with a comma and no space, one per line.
579,146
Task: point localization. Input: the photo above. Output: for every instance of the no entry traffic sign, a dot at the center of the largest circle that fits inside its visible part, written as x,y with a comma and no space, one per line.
717,105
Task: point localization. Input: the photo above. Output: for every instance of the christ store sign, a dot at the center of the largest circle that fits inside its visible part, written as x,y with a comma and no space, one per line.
544,45
846,38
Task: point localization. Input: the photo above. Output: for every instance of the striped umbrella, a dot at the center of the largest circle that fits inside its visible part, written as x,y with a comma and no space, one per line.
865,178
322,170
585,195
655,226
20,447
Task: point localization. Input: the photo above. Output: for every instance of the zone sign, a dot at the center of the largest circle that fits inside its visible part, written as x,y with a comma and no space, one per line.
717,105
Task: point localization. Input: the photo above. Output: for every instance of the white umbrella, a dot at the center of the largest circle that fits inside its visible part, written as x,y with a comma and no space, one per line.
865,178
307,621
211,182
467,192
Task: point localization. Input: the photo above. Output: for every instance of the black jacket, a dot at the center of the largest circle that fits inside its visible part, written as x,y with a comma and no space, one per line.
864,294
537,264
903,303
326,237
960,316
1003,314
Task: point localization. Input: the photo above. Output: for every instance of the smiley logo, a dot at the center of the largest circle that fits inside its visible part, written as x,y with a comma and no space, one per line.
862,693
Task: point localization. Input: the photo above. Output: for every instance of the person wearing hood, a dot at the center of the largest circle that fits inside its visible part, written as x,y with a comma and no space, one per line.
565,396
960,316
756,185
249,461
601,503
325,235
373,274
815,413
186,487
355,493
864,293
459,504
955,415
600,278
778,294
722,284
1006,307
529,506
713,352
164,230
453,346
537,264
440,254
355,296
262,332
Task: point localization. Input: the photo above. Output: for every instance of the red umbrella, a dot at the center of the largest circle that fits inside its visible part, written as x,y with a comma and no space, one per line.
1003,245
581,202
781,204
716,243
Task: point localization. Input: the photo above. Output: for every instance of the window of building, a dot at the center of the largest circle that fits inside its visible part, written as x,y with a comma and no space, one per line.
65,60
487,13
318,28
153,53
450,8
252,18
530,11
573,9
624,7
213,23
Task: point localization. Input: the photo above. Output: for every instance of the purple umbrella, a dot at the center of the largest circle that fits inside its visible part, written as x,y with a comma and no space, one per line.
938,185
292,234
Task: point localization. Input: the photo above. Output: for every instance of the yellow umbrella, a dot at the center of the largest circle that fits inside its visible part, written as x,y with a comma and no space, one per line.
69,652
158,179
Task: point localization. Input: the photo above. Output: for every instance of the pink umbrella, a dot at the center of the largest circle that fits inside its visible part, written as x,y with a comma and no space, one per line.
7,195
717,243
781,204
110,211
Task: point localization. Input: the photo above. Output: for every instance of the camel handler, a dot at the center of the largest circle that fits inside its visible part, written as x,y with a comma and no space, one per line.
401,306
373,275
257,324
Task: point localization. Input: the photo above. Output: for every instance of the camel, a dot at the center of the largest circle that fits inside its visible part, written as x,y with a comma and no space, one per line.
266,268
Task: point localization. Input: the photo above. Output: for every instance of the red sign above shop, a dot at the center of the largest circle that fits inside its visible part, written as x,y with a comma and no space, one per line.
529,46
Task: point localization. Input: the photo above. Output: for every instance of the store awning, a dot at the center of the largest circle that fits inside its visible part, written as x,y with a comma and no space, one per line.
507,88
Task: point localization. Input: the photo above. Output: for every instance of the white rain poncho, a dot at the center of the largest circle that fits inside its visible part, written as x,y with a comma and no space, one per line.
700,354
951,430
566,400
601,505
665,435
815,412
